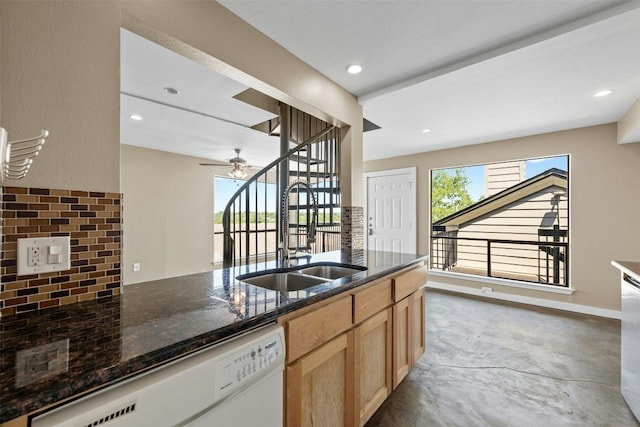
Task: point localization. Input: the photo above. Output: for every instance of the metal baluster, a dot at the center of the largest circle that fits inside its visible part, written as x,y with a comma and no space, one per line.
488,258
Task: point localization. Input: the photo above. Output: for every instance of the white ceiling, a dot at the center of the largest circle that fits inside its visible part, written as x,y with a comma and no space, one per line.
147,68
471,71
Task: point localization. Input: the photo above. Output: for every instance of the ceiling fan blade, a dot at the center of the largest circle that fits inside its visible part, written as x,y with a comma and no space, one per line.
237,160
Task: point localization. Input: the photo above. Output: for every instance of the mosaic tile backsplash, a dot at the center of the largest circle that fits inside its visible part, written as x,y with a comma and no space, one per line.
92,220
352,223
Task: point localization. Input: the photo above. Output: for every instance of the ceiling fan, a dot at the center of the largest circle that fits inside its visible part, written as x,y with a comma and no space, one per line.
238,164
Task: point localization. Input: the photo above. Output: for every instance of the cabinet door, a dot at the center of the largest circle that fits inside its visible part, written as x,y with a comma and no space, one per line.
373,356
402,336
310,330
320,386
418,324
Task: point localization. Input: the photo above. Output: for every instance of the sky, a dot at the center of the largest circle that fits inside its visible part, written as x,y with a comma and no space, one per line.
532,168
224,188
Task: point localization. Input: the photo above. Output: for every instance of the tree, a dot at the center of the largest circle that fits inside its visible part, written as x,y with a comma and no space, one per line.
449,192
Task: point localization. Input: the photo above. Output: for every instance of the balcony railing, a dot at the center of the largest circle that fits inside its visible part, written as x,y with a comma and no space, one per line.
260,240
538,261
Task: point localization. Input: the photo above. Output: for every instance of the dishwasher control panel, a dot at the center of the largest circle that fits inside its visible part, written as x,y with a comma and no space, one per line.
247,363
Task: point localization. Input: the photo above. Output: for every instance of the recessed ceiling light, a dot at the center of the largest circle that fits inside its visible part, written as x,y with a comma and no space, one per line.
354,69
426,130
171,90
602,93
135,117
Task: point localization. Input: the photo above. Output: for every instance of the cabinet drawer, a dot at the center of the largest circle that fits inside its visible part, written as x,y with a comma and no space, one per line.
311,330
407,283
370,301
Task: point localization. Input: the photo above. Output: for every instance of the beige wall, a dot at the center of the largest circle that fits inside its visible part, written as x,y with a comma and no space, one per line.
167,214
604,210
61,72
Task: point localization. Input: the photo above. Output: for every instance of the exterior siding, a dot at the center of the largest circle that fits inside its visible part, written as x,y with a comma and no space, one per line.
500,176
518,221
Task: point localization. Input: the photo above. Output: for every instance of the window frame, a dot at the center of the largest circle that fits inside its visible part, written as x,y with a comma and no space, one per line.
564,288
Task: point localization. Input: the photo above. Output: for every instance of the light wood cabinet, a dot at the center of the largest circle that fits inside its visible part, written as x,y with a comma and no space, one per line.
402,350
320,386
407,283
418,324
373,357
345,355
408,321
22,421
372,300
310,330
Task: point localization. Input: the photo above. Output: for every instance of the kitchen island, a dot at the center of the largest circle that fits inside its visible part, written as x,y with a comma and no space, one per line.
152,323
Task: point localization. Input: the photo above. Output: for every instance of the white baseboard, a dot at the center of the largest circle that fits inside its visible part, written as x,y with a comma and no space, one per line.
541,302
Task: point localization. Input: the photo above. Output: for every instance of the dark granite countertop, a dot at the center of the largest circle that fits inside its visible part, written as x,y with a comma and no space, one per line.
152,323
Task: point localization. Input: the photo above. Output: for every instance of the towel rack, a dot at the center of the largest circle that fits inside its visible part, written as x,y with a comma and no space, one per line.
17,156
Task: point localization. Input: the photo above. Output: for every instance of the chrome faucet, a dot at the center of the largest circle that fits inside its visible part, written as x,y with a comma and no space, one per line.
284,247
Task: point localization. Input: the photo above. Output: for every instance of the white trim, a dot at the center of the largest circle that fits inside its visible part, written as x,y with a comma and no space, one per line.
558,305
503,282
403,171
414,183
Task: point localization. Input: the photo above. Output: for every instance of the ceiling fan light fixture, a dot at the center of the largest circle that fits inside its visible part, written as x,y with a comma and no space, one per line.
238,171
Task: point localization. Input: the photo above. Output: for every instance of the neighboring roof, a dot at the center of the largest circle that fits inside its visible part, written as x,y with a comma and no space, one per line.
550,177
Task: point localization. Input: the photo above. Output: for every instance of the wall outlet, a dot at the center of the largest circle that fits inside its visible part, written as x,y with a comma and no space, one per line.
136,266
34,257
486,290
44,255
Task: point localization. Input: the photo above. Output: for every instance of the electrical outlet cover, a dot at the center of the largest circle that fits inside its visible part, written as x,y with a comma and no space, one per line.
43,255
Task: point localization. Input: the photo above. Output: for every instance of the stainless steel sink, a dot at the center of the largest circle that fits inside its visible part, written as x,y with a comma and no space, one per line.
284,282
302,277
331,272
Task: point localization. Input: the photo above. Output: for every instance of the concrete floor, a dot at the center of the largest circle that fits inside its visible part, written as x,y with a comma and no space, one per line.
494,364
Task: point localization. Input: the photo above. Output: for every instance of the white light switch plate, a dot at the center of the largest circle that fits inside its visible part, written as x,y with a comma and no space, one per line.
43,255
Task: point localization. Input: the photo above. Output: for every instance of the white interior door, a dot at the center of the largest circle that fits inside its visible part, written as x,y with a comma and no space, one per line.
390,217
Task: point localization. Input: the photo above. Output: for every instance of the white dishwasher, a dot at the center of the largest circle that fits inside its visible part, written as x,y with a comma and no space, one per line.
237,383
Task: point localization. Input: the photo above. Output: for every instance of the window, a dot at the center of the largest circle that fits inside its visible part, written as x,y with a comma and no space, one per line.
261,216
506,220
